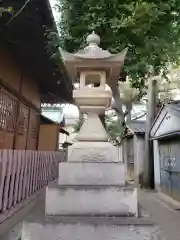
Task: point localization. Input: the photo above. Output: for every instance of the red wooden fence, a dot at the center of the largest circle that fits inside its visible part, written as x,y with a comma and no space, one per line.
22,173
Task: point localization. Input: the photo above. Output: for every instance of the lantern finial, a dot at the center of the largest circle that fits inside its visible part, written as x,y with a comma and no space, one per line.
93,38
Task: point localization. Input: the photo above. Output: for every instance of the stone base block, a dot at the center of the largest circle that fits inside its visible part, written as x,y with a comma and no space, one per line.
32,231
87,173
86,200
92,152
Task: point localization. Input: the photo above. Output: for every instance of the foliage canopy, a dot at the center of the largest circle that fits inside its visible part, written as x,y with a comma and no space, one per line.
149,28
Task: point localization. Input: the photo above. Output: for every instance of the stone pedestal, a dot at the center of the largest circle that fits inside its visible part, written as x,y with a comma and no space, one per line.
91,189
91,174
91,201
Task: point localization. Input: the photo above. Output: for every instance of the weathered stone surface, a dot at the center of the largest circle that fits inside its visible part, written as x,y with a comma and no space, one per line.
92,129
94,97
86,200
92,152
87,173
33,231
15,233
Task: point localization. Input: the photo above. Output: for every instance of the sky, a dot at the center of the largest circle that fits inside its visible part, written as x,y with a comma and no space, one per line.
55,13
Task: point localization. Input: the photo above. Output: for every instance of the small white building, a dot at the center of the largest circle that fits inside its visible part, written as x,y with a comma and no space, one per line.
165,134
57,113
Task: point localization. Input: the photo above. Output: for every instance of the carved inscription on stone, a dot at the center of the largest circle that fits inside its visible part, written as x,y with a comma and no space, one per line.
93,155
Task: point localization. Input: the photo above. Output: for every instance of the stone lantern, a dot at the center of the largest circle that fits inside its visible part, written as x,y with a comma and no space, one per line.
92,181
96,67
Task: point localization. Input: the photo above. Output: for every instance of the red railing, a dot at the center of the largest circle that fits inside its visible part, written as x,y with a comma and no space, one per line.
22,173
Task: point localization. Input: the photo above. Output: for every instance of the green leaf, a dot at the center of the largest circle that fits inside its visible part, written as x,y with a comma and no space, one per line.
151,30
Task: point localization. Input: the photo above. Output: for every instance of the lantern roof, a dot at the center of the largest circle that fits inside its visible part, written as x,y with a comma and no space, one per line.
92,57
93,51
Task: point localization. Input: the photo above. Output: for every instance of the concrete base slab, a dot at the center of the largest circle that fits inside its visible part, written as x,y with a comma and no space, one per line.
96,220
110,201
92,152
33,231
85,173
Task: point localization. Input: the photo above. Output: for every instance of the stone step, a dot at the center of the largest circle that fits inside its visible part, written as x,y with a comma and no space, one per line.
91,220
86,173
86,231
91,200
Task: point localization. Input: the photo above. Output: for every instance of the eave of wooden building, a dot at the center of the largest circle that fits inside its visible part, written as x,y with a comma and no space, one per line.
166,124
135,127
25,37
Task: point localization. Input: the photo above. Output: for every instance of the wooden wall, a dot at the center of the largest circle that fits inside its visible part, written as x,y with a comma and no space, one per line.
51,142
133,157
19,105
139,155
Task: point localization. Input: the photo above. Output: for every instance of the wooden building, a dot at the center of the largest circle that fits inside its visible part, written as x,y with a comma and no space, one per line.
133,149
28,77
49,134
165,134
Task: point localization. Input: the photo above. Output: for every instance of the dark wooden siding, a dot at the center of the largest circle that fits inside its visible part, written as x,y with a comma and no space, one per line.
170,167
8,113
19,105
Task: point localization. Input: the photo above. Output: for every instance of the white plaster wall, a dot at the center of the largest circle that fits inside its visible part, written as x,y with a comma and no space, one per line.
156,164
120,153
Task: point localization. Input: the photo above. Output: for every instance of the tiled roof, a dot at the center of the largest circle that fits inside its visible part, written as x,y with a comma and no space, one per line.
136,127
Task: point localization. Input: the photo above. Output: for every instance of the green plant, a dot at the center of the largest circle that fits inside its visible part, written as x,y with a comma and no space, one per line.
150,29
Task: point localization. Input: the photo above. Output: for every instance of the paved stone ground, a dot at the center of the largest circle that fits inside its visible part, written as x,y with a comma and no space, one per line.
162,211
159,221
89,232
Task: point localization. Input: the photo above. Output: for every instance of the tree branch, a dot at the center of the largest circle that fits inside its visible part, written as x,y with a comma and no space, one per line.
136,118
15,15
117,106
